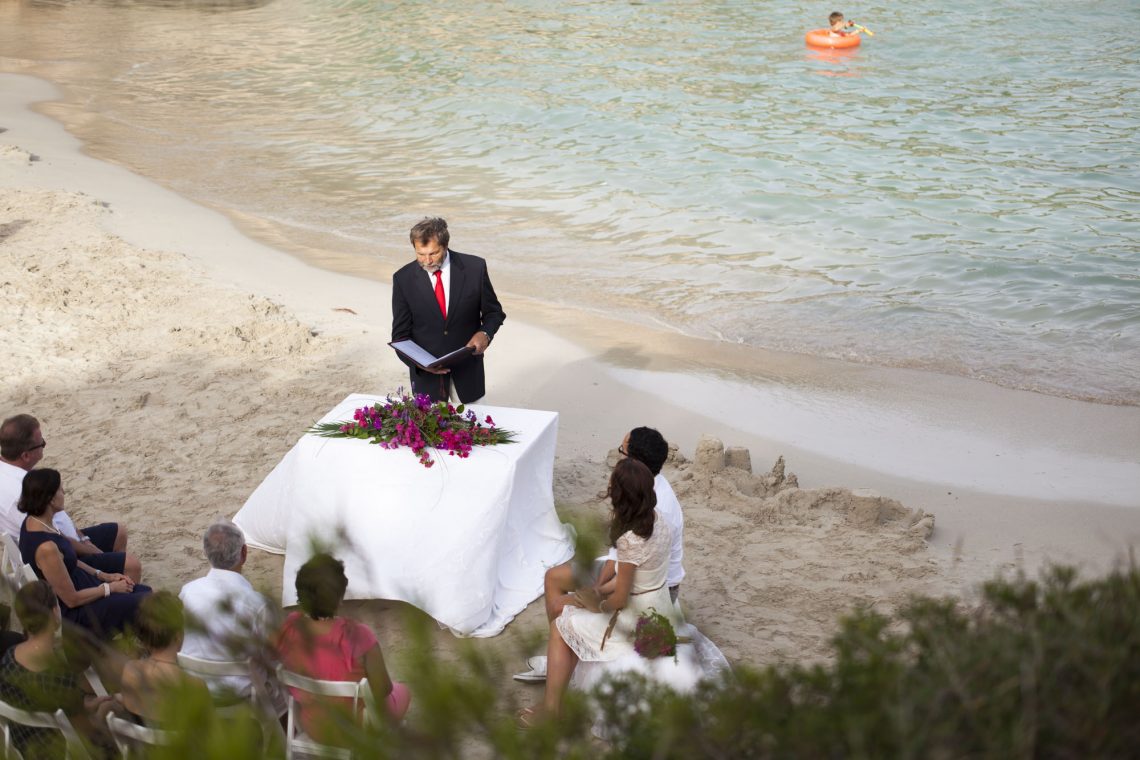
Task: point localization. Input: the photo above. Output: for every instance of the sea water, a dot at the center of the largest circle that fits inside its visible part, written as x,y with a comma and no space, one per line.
961,193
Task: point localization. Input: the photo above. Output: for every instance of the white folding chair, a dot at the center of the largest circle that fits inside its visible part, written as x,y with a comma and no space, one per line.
57,721
263,707
13,572
297,742
130,736
12,560
95,682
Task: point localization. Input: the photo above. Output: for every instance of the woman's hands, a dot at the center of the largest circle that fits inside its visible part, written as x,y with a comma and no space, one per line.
121,585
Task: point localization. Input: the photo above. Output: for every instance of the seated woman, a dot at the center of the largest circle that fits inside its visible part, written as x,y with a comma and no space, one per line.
34,676
155,689
104,603
317,644
600,627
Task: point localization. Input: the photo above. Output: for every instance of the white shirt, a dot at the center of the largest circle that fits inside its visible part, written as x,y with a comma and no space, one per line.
11,519
226,619
445,276
11,484
62,522
669,509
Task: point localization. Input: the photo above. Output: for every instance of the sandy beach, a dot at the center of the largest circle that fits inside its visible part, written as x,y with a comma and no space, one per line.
173,361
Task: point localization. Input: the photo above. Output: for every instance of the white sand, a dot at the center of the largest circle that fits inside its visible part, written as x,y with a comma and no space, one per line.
173,361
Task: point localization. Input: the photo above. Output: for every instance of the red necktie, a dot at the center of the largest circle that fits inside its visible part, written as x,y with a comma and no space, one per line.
440,298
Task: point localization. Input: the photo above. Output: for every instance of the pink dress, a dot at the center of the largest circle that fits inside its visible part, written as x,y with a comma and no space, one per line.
334,656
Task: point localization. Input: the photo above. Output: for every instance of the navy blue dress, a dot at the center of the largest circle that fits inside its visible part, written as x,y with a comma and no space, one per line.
103,617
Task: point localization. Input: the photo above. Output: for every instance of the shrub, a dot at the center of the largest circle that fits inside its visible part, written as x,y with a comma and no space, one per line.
1047,668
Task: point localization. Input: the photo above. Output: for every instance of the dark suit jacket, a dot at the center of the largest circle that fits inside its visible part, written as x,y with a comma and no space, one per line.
472,307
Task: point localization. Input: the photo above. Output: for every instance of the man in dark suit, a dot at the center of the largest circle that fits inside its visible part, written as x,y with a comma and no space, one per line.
443,301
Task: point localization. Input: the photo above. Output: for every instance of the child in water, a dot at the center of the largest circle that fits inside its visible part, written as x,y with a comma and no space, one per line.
839,25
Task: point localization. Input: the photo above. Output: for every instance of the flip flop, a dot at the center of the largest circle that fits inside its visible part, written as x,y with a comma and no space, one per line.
527,718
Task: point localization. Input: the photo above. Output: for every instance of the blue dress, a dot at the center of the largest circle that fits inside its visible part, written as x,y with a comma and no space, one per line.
103,617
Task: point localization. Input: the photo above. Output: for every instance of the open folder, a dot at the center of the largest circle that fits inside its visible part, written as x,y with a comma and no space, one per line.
414,353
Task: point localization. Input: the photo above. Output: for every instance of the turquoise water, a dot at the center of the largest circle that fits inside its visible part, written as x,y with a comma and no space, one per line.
961,193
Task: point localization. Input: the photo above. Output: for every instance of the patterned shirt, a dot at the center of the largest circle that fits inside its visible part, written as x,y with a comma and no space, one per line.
47,690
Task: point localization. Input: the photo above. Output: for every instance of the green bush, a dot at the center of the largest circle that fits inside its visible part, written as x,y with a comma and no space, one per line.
1047,668
1038,669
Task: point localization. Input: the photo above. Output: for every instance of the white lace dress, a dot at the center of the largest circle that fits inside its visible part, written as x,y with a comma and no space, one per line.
584,631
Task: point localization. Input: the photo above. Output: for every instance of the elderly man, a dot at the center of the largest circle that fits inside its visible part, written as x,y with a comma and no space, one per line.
101,546
444,301
227,619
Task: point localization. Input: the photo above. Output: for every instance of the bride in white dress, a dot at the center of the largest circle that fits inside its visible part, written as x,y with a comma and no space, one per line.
601,629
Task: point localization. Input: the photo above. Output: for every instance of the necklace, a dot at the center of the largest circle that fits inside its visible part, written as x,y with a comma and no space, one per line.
52,528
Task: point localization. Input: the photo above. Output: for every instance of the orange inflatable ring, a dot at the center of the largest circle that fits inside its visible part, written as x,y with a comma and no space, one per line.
822,38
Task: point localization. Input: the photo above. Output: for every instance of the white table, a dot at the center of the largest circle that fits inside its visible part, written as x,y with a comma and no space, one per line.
467,540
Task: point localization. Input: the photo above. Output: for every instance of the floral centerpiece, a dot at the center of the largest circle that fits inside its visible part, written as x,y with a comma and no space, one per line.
654,636
420,424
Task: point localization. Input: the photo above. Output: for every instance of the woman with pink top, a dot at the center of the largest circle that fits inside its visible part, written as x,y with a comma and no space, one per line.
318,644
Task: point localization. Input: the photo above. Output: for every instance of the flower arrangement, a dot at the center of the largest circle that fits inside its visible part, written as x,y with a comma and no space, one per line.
654,636
420,424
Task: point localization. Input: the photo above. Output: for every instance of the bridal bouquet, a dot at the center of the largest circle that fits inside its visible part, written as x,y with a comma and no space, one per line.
654,636
419,424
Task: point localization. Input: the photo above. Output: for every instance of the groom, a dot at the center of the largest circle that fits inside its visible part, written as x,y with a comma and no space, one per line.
444,301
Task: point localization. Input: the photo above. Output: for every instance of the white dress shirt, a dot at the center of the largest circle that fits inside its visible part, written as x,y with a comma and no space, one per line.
11,484
227,619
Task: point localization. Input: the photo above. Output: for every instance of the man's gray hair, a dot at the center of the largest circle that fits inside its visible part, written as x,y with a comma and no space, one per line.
223,542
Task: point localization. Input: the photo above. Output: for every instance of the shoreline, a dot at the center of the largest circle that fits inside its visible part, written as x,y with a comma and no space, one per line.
785,382
1064,490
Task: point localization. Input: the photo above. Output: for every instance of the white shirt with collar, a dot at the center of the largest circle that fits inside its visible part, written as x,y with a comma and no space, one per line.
11,484
226,619
445,277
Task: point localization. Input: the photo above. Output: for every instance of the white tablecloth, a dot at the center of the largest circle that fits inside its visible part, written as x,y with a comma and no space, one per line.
467,540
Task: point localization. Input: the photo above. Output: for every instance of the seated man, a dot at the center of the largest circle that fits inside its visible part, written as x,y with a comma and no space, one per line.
102,546
650,448
228,620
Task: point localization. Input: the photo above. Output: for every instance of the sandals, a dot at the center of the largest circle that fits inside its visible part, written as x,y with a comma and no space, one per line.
528,717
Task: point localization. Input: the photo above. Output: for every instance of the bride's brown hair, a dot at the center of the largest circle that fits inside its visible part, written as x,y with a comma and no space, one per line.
631,493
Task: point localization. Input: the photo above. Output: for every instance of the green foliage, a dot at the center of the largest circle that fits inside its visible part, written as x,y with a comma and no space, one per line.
1047,668
1039,669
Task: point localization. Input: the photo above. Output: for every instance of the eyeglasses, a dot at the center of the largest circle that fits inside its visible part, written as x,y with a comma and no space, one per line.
622,451
37,446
